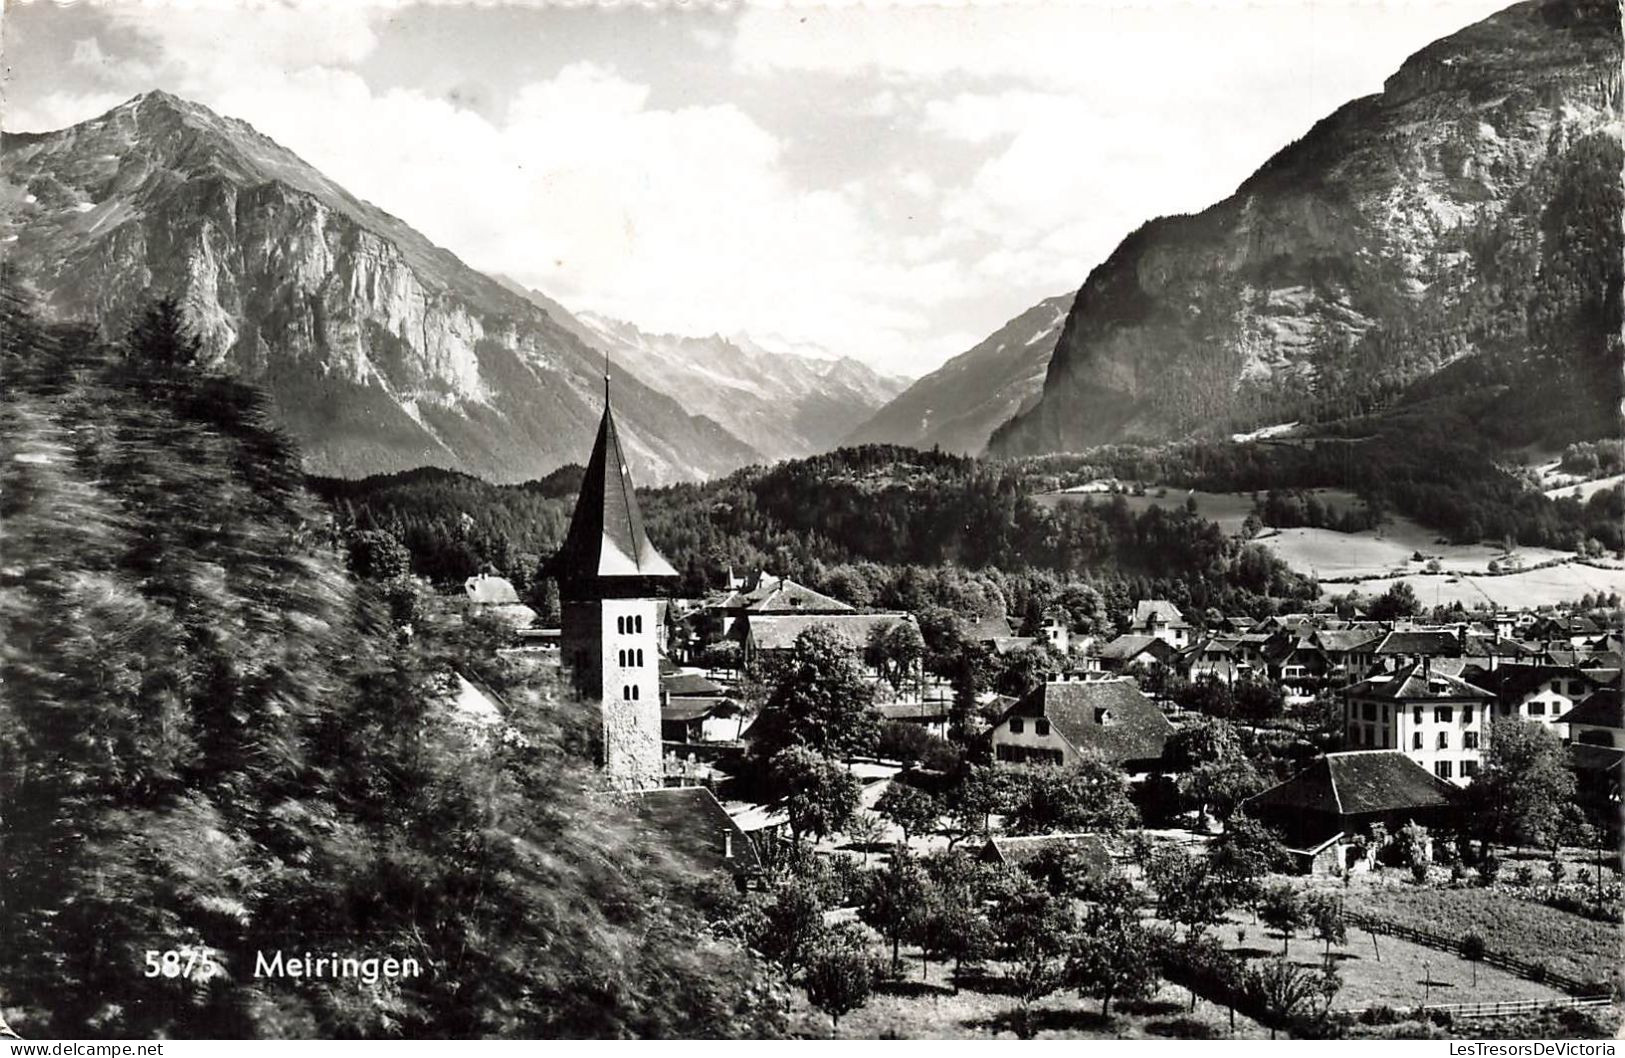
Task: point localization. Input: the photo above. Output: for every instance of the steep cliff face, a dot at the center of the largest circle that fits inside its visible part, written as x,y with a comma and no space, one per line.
380,350
958,405
783,404
1467,215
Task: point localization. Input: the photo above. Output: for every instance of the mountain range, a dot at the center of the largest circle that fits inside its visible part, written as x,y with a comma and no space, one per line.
380,350
783,404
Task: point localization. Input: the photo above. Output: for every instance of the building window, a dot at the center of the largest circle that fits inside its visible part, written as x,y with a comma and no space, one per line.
1417,715
1016,725
1443,714
1416,740
1466,714
1557,686
1371,710
637,623
640,657
1469,740
1469,768
1442,769
1444,740
1040,726
620,626
626,692
620,658
1537,708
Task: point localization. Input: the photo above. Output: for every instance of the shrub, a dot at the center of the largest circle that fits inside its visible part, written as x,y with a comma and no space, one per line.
1489,869
1525,874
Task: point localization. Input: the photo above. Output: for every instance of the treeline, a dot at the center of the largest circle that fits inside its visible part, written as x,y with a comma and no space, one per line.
215,742
869,525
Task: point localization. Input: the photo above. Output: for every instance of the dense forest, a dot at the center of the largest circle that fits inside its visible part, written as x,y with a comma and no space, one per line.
215,739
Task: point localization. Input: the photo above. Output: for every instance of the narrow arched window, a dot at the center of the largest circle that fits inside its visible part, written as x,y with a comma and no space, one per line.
638,622
634,692
626,693
640,657
620,625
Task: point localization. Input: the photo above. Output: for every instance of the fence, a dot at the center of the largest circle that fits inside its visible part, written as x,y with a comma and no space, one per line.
1529,971
1508,1009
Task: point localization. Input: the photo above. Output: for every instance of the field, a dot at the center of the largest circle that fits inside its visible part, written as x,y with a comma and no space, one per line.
1367,561
1538,587
1567,943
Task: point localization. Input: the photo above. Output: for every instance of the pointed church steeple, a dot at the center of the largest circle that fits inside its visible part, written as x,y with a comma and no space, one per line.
606,552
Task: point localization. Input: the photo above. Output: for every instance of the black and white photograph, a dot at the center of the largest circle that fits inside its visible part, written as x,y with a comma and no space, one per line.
811,520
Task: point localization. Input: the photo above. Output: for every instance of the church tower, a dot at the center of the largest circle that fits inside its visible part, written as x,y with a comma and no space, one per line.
610,577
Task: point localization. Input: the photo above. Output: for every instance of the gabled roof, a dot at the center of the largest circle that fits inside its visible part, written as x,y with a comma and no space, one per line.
1436,643
774,632
991,627
1111,717
1347,640
1414,683
788,597
1593,759
1359,782
916,711
1161,609
692,823
1008,644
1513,682
683,709
1132,646
606,536
690,685
1018,852
1601,709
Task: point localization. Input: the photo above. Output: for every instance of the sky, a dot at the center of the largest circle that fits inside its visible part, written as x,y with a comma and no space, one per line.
889,182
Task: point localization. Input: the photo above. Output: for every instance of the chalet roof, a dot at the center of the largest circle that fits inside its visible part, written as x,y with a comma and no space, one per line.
991,627
679,709
606,536
1126,647
1601,709
1359,782
1417,682
690,685
775,632
1009,644
1111,717
916,711
1018,852
1590,758
1347,640
789,598
1433,642
1162,610
691,822
1513,682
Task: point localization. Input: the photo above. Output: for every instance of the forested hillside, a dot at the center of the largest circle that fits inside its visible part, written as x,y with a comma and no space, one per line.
213,737
861,523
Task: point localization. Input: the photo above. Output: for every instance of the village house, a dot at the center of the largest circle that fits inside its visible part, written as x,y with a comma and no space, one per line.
1540,693
1350,653
1160,619
1137,653
1323,811
930,714
1029,852
1060,721
1598,720
1435,720
769,634
1407,646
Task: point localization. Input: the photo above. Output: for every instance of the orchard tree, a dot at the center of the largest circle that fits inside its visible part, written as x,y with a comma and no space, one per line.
912,809
1033,929
819,699
895,904
1088,795
895,652
1110,957
1282,910
841,972
1213,769
1325,916
820,796
1188,890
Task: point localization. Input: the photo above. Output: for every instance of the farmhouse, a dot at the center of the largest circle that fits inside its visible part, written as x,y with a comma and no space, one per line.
1030,852
1062,721
1322,809
1599,720
690,821
1136,653
1540,693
